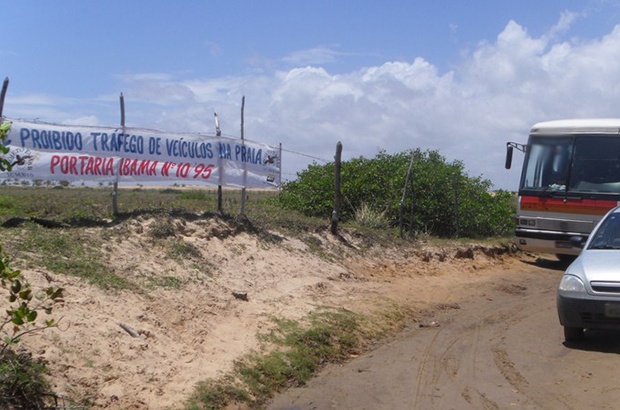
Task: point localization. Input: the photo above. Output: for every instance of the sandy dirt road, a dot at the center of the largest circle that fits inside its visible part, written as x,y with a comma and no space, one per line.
493,344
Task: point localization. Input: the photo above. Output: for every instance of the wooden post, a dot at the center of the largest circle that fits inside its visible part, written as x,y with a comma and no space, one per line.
404,197
245,170
337,182
5,86
115,188
455,187
411,210
218,133
219,200
280,169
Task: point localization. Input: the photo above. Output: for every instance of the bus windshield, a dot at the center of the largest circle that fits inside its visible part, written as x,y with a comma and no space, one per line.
579,164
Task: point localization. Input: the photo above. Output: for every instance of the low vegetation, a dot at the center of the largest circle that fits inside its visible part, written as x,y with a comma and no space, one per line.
292,353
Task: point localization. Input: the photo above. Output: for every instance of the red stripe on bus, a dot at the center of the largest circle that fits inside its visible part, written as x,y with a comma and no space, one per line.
572,206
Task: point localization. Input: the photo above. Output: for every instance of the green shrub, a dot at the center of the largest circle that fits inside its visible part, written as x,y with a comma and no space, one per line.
22,381
445,201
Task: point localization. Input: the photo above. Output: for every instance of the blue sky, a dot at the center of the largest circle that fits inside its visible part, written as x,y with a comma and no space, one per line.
462,77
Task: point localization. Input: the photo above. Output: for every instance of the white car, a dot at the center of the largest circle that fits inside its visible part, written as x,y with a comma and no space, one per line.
589,294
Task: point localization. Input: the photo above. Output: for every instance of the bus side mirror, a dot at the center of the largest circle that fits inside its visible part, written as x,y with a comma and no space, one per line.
509,149
578,241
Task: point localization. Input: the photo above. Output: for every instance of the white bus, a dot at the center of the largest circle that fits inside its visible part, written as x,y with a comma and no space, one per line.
570,179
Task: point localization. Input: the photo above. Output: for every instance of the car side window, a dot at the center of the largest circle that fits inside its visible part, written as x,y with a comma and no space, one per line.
607,235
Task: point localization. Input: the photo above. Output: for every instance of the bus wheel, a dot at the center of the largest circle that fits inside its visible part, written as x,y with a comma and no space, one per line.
566,259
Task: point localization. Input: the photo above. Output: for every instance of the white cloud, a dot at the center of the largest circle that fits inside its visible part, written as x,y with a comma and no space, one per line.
155,88
128,78
567,18
313,56
50,108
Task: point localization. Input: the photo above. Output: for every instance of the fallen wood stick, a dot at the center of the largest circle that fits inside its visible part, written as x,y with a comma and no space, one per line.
130,330
240,295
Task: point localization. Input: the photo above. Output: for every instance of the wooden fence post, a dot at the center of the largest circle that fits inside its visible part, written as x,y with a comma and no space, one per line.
245,167
455,187
218,133
338,170
5,86
411,210
280,169
115,187
404,197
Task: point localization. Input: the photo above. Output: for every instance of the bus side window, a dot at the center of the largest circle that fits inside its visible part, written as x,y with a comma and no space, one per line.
559,166
601,172
578,174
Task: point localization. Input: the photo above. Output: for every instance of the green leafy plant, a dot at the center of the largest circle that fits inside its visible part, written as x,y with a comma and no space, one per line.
22,381
23,307
5,165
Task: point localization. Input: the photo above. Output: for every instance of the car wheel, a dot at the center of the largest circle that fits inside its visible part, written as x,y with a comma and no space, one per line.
573,334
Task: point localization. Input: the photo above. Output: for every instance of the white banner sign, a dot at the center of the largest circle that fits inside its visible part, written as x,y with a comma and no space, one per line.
64,152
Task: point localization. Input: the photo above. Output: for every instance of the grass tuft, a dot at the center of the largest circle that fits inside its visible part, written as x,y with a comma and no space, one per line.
294,352
368,217
161,228
213,395
66,251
